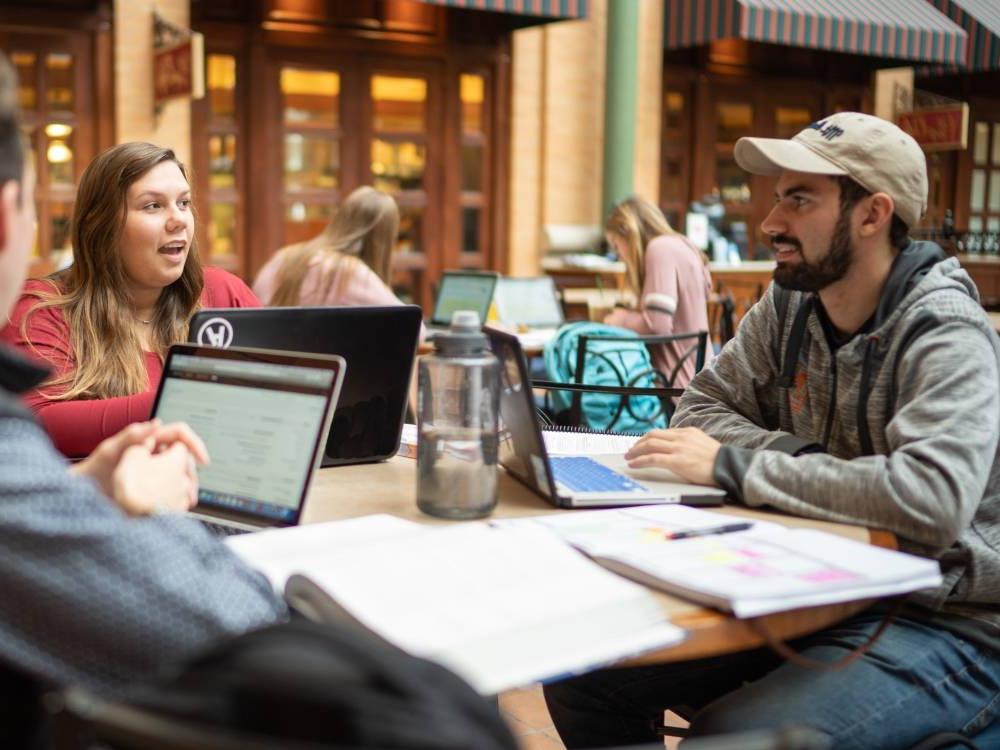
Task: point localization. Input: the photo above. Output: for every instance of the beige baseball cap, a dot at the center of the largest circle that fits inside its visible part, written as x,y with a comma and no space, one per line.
873,152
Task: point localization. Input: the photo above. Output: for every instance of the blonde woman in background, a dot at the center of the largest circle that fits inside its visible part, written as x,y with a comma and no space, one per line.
348,263
669,278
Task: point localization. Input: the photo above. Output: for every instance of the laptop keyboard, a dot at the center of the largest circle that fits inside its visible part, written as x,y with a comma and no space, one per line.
220,529
582,474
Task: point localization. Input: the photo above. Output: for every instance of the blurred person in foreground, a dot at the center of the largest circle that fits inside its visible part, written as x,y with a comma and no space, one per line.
669,278
103,580
862,389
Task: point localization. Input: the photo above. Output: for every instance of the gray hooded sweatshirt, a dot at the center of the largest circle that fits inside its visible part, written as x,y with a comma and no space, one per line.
895,428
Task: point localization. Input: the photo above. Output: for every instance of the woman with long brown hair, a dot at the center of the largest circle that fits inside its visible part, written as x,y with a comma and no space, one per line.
104,324
348,263
669,278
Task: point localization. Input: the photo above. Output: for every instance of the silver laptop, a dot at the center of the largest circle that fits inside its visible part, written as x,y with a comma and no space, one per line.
264,416
569,481
461,290
530,306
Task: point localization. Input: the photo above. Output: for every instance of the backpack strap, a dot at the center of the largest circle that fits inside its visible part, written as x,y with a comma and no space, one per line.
781,297
794,344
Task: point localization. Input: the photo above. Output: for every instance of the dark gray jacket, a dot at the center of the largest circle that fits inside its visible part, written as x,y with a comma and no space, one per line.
897,428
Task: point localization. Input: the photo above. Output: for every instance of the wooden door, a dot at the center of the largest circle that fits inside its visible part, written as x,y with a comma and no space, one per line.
56,94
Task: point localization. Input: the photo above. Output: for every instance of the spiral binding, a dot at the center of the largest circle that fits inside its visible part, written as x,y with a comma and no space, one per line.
550,427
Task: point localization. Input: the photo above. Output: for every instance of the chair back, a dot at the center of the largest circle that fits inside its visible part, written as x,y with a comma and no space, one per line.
631,393
298,685
82,721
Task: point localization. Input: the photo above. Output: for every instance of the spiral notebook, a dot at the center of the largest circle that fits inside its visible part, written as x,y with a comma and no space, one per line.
759,570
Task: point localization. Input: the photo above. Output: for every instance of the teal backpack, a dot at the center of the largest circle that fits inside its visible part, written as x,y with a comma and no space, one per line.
615,363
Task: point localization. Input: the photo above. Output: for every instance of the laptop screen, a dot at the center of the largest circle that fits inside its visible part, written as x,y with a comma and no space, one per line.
261,416
522,450
463,291
528,302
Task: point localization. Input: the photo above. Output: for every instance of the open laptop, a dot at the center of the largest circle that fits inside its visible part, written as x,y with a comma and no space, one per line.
570,481
530,306
461,290
379,345
263,415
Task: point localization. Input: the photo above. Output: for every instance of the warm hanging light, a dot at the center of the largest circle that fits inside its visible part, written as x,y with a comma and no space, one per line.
58,130
58,152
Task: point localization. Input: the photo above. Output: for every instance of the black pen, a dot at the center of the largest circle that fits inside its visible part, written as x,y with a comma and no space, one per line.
710,531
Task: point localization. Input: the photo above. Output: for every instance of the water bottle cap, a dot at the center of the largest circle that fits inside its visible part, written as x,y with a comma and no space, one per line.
465,336
465,320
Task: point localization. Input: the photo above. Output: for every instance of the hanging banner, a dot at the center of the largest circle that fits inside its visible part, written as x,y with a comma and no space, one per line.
943,128
178,62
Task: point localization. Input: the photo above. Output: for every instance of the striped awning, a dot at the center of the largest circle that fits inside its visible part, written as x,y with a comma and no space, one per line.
900,29
541,8
981,20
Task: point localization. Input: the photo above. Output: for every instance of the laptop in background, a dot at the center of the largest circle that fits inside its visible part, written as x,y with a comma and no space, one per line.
379,345
263,416
530,306
461,290
569,481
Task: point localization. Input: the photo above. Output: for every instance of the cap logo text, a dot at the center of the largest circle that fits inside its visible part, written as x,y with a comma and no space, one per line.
827,131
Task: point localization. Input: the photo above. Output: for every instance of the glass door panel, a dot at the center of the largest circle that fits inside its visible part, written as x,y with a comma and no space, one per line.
398,166
473,164
311,164
984,187
224,233
52,96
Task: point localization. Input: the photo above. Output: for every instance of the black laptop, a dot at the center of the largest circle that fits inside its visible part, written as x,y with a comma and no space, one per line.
379,345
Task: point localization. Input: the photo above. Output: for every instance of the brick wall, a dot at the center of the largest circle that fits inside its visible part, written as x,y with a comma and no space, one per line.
134,116
557,125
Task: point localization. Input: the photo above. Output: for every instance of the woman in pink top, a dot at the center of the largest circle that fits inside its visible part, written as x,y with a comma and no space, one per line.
347,264
669,278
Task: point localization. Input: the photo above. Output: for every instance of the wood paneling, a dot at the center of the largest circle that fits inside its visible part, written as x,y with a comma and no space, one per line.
82,30
263,50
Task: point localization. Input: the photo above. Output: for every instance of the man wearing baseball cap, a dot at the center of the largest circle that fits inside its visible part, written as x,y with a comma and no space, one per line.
862,388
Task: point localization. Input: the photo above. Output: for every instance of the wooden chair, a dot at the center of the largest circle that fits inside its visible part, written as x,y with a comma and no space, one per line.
82,721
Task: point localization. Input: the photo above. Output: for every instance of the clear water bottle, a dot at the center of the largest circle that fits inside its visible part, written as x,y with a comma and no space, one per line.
457,402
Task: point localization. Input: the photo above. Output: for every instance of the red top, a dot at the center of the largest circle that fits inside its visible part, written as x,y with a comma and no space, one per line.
76,427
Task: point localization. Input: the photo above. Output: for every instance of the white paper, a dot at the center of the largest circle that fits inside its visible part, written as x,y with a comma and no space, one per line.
277,553
766,568
503,608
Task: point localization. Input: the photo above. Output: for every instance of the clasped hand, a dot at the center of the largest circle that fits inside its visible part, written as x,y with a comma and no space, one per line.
148,467
686,451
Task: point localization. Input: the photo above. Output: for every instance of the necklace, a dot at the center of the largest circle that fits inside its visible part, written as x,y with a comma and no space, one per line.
144,322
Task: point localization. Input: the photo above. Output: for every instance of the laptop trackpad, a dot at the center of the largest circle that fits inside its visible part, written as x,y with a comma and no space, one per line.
663,481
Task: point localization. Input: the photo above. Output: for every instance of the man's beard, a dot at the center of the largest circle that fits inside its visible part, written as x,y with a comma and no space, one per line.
812,277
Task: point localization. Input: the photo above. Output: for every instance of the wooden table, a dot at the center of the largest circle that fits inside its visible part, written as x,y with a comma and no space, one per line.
745,282
390,487
567,275
985,273
594,303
